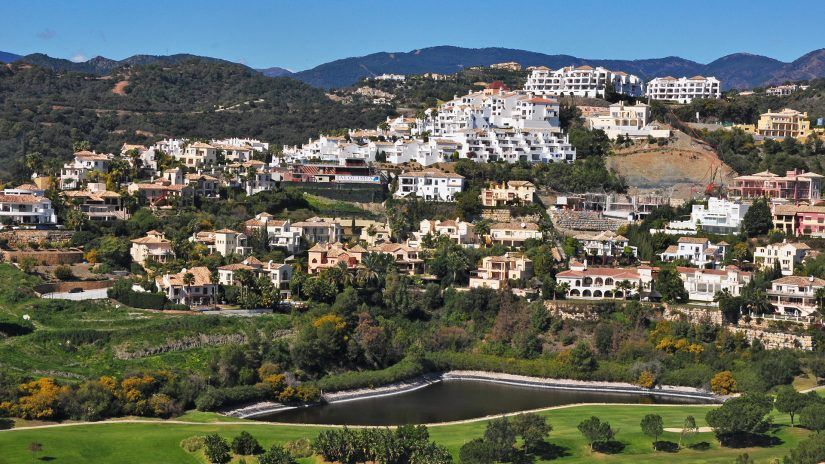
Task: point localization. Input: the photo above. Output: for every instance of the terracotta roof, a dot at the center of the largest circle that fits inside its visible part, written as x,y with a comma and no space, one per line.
614,272
202,276
150,240
431,173
21,198
514,226
800,281
694,240
236,267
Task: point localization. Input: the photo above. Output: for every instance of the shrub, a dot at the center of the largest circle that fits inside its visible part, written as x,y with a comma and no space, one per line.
192,444
646,380
300,448
214,399
723,383
63,273
245,444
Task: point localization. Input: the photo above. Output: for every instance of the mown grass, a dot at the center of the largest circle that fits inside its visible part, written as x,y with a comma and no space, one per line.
325,206
154,443
80,339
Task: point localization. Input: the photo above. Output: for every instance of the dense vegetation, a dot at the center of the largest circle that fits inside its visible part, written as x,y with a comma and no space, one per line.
45,112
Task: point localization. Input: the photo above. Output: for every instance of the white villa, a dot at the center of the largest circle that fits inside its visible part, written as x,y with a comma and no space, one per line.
279,232
459,231
25,207
76,171
430,185
786,255
704,284
699,252
604,282
795,295
720,216
606,244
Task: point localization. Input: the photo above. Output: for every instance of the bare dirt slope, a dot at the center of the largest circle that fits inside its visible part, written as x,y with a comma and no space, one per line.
685,165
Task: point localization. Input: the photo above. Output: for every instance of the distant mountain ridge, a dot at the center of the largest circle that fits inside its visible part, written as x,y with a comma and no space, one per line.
101,65
736,71
739,70
6,57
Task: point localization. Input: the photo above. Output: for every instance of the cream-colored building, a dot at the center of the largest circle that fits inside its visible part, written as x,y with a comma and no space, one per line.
628,121
787,255
496,271
153,247
514,192
199,291
514,233
199,154
785,123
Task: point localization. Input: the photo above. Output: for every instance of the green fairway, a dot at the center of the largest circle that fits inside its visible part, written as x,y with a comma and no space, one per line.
159,443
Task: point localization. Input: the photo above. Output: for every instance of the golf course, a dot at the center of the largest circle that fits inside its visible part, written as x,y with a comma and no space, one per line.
158,441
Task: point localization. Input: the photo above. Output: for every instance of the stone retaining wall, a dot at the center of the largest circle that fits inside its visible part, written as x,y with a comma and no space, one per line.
45,257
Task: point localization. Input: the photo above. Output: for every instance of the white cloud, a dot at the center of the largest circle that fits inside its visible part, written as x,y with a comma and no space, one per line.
79,57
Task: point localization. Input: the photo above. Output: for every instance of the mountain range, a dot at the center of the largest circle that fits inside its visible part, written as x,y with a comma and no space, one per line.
739,70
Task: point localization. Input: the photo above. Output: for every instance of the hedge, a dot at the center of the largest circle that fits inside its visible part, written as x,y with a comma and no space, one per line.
405,369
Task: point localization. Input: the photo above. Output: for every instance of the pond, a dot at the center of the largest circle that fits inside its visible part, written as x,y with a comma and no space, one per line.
451,401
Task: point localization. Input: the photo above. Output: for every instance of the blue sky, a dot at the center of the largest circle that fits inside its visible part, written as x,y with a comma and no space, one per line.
304,33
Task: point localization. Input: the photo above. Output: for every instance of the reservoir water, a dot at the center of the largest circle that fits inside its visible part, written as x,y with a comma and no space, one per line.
451,401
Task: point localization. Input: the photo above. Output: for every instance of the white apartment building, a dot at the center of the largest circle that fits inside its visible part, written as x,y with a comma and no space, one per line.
430,185
684,89
145,158
153,247
697,251
76,171
582,81
200,291
514,234
795,295
24,207
784,90
720,216
704,284
172,147
318,230
496,271
461,232
633,121
512,145
326,149
786,255
228,241
604,282
390,77
279,232
254,144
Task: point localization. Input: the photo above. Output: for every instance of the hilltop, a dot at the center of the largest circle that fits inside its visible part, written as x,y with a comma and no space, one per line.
46,111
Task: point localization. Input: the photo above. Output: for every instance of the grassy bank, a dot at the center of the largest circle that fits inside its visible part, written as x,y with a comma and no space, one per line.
152,443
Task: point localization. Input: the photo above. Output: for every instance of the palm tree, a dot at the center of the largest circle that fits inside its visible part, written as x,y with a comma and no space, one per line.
373,266
188,280
624,286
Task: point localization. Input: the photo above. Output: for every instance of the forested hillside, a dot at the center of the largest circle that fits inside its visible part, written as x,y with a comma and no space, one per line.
46,111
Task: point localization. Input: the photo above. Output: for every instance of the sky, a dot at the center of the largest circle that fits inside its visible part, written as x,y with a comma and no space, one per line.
301,34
